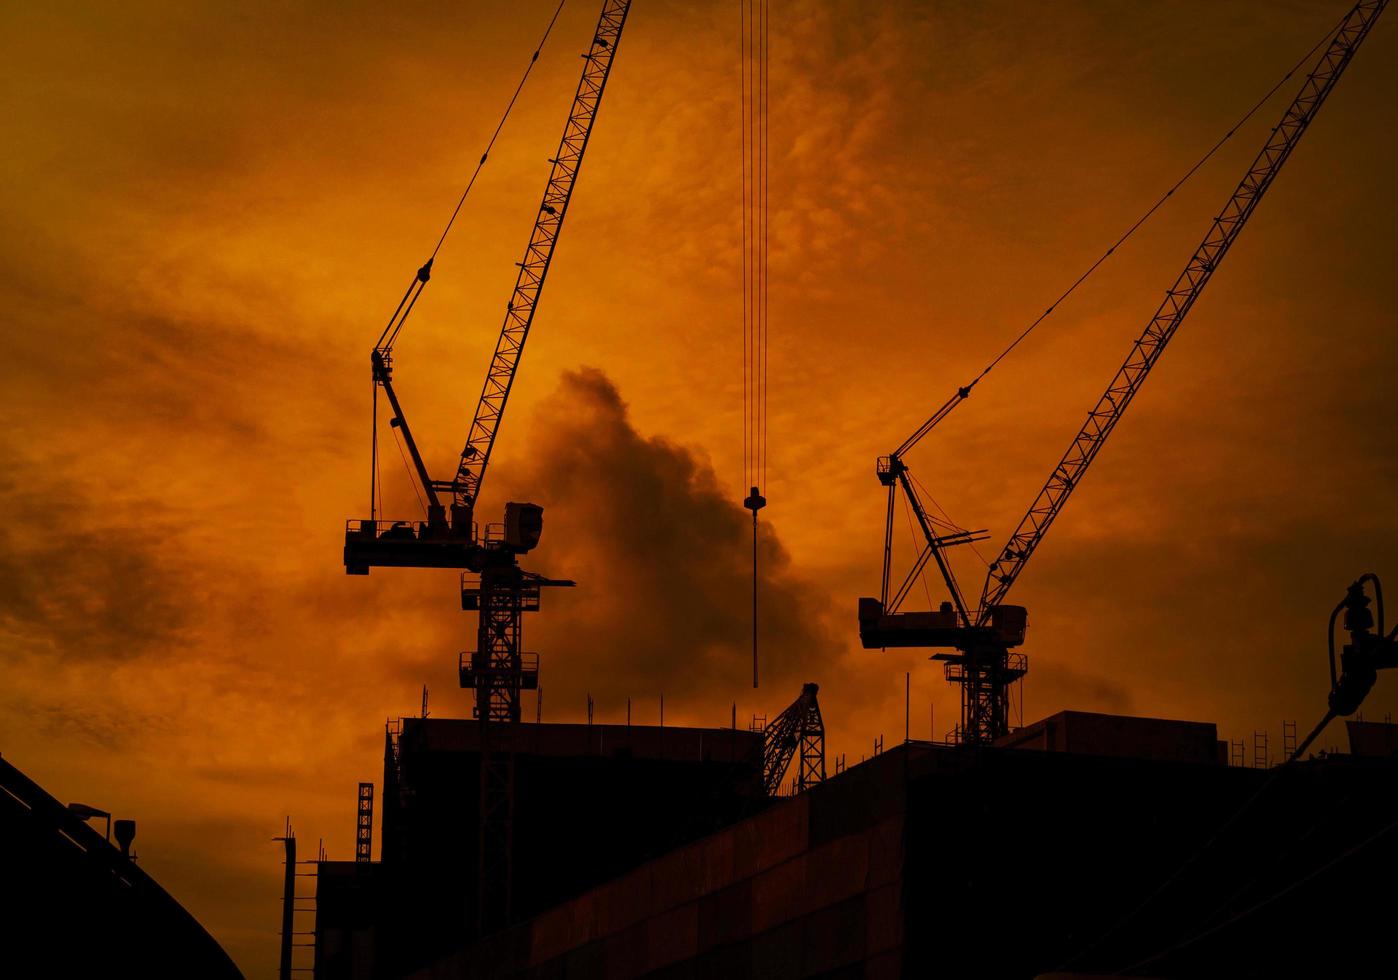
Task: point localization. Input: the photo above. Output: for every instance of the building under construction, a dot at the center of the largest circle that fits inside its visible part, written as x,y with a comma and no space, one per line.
590,801
654,852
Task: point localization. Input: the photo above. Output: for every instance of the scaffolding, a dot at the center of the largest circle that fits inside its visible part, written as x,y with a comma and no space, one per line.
364,824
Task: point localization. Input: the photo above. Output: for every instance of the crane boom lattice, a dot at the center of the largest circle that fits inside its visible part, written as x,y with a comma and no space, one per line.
796,733
494,585
983,664
524,301
1179,300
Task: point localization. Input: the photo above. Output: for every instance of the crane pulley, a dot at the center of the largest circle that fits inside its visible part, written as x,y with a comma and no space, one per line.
984,635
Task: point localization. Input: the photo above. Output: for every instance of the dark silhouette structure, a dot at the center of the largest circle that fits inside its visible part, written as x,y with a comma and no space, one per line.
591,802
797,733
75,905
983,637
1108,844
1099,844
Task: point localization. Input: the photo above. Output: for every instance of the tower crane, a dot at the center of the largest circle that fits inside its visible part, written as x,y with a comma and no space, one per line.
797,733
982,638
443,541
493,584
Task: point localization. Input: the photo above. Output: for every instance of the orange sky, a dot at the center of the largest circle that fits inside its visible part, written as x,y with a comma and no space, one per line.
209,211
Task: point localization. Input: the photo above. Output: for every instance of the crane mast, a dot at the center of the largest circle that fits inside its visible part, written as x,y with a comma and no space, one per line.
984,664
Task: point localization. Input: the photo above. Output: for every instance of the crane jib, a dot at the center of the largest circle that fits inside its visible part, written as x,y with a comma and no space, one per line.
1179,300
520,310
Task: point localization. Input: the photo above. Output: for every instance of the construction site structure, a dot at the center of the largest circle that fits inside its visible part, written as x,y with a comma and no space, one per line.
672,861
797,733
983,637
494,584
592,801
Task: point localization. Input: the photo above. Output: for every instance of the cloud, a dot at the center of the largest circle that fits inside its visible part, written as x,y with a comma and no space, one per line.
1058,687
662,556
82,586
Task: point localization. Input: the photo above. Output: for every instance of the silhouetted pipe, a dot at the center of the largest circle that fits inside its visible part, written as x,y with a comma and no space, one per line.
288,906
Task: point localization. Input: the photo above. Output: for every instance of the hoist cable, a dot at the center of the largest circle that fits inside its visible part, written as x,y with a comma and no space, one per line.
763,318
533,59
753,62
398,441
922,561
965,391
414,290
754,53
747,283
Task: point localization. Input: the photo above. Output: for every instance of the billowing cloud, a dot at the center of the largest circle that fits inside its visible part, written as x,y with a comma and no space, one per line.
662,557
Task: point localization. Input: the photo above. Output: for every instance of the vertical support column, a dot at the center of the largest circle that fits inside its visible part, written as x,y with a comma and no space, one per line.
811,753
498,681
288,902
985,674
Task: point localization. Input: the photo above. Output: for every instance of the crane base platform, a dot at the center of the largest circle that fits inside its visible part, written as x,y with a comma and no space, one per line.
879,629
405,544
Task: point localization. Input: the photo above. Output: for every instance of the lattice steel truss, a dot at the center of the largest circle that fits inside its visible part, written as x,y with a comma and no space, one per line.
495,670
364,824
519,311
1179,299
985,676
983,637
798,732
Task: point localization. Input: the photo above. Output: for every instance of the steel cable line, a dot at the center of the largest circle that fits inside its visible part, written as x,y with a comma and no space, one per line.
533,59
963,392
754,128
384,346
405,305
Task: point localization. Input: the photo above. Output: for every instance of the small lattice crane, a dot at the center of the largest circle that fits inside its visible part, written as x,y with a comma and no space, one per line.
798,732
